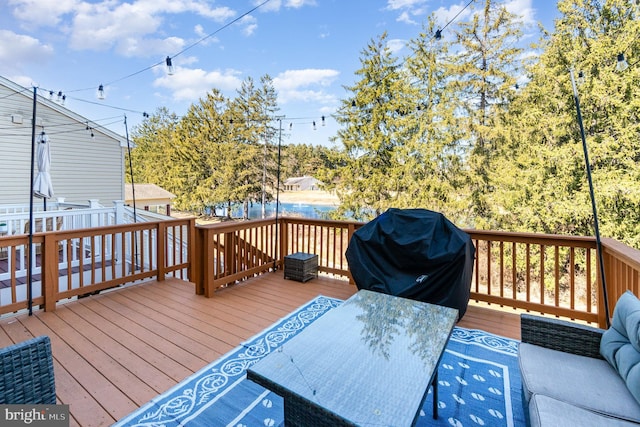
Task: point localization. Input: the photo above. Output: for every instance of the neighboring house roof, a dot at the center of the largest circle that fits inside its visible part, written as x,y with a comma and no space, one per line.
147,192
302,183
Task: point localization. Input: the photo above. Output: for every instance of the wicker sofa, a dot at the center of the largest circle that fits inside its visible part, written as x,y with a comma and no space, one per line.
565,379
26,373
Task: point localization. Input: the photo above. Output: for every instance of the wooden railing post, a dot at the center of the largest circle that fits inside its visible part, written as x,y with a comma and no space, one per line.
191,248
199,260
230,250
284,238
161,245
49,271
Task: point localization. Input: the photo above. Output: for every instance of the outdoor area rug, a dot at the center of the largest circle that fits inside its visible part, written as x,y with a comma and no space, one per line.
479,383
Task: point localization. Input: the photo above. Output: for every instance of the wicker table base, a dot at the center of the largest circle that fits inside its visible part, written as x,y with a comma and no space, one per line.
301,266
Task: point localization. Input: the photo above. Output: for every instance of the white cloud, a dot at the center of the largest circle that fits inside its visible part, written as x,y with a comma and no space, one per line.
307,96
250,24
444,15
135,28
193,84
406,18
408,10
17,50
308,85
297,4
404,4
396,45
292,79
47,13
134,47
276,5
524,9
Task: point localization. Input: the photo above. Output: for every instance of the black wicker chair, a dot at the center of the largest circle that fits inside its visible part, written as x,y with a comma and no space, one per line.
561,335
26,373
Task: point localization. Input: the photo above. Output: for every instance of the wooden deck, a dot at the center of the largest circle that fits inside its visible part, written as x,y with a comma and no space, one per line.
115,351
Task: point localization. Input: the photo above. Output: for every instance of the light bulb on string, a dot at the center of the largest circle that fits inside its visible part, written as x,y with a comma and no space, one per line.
323,121
170,69
101,92
622,63
314,125
59,96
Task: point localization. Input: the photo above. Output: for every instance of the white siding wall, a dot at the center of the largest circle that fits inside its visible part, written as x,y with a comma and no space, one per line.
81,168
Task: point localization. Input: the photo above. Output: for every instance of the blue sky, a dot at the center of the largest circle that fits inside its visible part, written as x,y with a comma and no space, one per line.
310,47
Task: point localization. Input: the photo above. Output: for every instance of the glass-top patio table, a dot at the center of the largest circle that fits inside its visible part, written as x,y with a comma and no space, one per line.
368,362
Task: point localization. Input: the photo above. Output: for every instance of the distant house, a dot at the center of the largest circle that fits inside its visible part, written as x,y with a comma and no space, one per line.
149,197
302,183
87,160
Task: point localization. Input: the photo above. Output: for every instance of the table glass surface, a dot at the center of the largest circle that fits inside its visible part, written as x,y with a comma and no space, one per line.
370,361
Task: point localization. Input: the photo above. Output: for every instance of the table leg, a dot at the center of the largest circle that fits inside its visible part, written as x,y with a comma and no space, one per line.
434,384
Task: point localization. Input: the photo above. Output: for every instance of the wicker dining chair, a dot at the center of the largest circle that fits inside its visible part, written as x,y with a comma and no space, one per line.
26,373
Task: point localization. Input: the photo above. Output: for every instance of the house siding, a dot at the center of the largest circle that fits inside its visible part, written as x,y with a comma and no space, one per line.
82,168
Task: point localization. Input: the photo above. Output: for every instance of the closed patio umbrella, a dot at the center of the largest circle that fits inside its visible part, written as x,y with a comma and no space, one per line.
42,186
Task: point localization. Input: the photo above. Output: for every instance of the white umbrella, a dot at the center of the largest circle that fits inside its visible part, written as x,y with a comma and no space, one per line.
42,186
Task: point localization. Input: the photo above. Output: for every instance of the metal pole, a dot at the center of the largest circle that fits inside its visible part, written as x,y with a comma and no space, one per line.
31,251
593,199
133,194
277,196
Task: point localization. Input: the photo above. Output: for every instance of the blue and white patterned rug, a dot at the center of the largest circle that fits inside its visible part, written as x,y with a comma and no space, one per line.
479,383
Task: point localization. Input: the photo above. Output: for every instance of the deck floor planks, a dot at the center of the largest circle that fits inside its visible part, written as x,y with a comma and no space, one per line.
117,350
152,334
129,335
204,321
164,326
90,377
91,350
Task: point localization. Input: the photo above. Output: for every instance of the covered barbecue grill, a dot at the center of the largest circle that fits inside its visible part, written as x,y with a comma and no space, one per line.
416,254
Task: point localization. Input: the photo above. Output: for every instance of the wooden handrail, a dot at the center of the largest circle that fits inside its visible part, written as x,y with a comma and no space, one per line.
544,273
80,262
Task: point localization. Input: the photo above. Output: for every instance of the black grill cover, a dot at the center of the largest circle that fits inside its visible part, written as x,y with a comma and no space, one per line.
416,254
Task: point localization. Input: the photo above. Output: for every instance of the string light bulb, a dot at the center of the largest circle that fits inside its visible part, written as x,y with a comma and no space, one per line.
64,98
101,92
581,78
314,125
170,69
50,95
59,96
622,63
438,34
323,121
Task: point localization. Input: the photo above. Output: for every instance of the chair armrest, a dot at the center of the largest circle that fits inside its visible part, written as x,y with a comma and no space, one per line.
561,335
